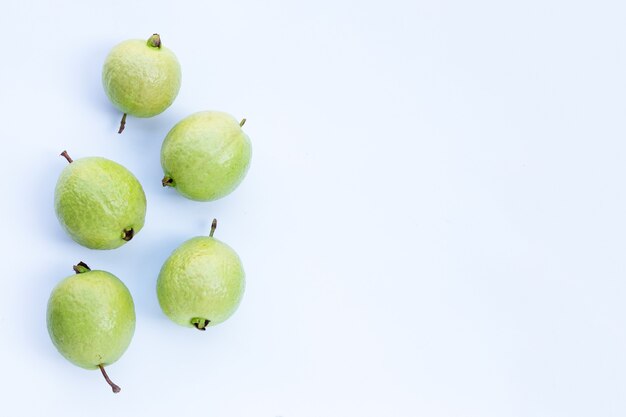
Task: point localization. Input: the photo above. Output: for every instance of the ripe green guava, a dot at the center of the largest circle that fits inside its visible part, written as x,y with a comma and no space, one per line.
91,319
206,155
99,202
141,78
201,284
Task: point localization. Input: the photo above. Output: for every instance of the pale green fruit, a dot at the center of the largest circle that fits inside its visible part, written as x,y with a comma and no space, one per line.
99,202
141,78
206,155
201,284
91,319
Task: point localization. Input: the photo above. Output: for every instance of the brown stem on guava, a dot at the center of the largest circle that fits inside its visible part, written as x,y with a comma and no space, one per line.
243,122
122,124
114,387
155,41
213,227
81,267
167,181
65,155
128,233
200,324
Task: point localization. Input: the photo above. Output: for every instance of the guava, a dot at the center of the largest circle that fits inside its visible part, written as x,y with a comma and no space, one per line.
201,284
91,319
141,78
206,155
99,203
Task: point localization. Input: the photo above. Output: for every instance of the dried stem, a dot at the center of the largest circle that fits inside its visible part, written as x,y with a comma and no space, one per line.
65,155
122,124
81,267
167,181
114,387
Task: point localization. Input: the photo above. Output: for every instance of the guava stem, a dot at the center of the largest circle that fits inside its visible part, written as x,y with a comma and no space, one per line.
167,181
201,324
243,122
65,155
81,267
213,227
155,41
114,387
122,124
128,233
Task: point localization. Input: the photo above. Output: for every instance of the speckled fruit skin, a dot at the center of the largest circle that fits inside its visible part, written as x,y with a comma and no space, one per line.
91,318
206,155
96,199
203,278
140,79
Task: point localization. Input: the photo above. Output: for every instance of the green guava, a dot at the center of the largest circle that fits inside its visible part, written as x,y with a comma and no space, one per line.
99,203
206,155
91,319
141,78
201,284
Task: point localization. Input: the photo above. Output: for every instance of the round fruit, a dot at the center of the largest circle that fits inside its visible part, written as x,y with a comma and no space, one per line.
99,202
201,283
141,78
206,155
91,319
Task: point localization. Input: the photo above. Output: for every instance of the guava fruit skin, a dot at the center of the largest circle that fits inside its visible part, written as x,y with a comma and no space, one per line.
141,80
203,278
96,200
206,155
91,318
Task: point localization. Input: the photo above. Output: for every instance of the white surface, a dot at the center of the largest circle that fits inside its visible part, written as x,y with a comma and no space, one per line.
433,223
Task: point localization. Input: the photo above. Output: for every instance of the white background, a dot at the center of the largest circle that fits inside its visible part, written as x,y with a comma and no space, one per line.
433,223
